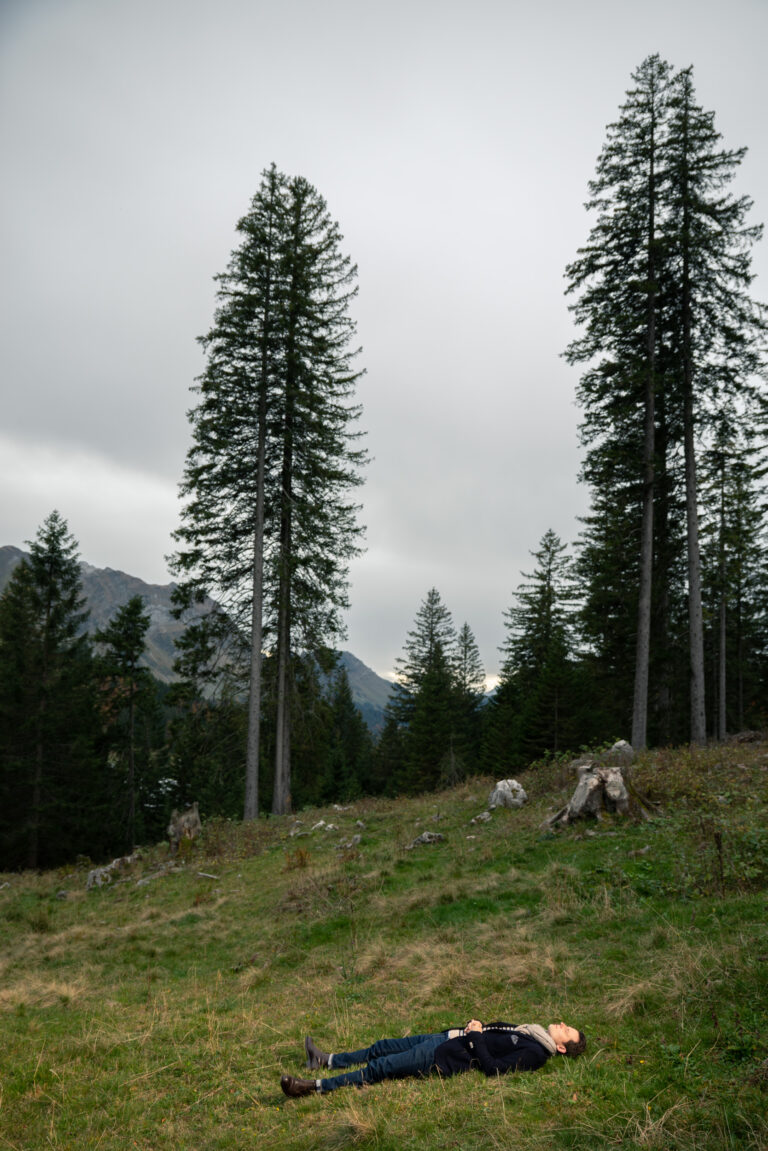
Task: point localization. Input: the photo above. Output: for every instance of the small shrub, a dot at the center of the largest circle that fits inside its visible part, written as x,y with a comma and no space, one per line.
296,860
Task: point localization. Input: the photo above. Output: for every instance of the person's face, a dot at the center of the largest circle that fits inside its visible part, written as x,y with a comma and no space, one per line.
562,1034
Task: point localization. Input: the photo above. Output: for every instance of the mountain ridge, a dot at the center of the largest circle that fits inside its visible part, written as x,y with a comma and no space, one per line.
107,589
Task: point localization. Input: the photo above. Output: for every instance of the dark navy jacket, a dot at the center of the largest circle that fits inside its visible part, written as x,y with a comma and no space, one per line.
494,1052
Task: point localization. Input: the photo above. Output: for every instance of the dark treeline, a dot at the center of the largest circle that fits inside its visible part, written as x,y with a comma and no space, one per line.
652,627
95,753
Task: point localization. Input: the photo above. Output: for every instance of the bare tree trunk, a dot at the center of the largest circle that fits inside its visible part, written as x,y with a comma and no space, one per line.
739,654
721,670
252,754
33,844
287,715
281,797
695,616
251,808
642,655
643,649
131,764
662,610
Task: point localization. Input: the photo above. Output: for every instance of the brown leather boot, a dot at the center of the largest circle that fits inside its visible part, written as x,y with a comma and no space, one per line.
295,1088
315,1057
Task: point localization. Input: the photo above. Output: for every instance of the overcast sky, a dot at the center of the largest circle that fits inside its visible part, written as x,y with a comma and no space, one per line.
452,141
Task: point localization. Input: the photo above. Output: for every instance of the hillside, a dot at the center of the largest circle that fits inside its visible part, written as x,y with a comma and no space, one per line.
107,589
160,1012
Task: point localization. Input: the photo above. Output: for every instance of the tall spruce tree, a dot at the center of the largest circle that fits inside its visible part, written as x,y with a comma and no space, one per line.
669,334
618,275
469,675
538,678
717,328
543,614
433,633
50,785
269,526
424,701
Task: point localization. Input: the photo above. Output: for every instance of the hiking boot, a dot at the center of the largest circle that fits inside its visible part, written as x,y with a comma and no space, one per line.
315,1057
295,1088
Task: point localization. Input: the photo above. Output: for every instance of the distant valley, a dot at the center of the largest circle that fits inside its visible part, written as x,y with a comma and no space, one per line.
106,590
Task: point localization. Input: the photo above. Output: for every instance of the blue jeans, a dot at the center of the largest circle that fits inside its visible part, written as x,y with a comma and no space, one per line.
386,1059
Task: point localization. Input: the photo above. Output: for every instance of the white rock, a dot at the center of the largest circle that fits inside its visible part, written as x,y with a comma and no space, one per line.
507,793
620,755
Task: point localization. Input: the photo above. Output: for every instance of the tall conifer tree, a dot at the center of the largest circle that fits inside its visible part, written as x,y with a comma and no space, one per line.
49,781
425,700
618,276
269,526
670,335
717,329
538,675
470,694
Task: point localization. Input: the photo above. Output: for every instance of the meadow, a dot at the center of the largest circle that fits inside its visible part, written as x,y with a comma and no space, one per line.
160,1012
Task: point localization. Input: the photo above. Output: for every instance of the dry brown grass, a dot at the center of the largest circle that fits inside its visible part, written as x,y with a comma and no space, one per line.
675,971
353,1127
34,991
655,1134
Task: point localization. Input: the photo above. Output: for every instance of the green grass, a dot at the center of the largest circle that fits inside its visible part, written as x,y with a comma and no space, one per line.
161,1014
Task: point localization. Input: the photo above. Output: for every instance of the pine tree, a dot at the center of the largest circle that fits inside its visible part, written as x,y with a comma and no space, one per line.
351,748
425,699
470,673
388,766
718,328
608,618
734,556
619,277
469,676
670,334
208,725
501,744
432,635
538,675
49,779
543,614
127,685
269,527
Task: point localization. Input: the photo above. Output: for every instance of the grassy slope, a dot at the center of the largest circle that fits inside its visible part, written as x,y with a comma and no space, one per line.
160,1015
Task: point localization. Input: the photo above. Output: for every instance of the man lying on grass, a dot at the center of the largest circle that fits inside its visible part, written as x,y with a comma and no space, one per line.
494,1048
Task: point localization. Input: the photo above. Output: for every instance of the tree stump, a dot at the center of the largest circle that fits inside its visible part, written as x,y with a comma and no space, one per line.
602,787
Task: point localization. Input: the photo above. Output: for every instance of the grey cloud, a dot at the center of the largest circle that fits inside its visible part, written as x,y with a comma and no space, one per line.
453,143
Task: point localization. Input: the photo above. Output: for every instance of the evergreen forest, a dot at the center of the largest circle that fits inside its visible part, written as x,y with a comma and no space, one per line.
651,625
